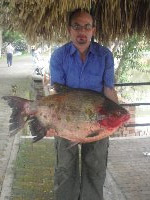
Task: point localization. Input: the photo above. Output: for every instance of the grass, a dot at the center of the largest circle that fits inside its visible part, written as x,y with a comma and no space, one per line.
33,172
34,167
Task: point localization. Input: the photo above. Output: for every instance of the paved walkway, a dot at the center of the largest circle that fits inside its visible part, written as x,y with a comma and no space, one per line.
129,167
128,174
14,80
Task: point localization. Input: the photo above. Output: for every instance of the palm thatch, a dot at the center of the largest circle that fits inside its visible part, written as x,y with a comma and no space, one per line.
46,19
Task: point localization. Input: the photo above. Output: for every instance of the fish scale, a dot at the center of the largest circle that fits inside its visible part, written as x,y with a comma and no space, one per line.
78,115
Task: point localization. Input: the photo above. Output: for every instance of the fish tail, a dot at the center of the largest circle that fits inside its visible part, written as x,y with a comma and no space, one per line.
18,116
37,129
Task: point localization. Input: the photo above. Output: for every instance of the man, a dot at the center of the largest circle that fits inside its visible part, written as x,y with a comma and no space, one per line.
9,51
82,64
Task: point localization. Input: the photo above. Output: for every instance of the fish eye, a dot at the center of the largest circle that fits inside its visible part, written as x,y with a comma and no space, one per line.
118,113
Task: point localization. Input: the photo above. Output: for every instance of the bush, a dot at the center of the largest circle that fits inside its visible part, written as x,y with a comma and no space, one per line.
20,45
17,40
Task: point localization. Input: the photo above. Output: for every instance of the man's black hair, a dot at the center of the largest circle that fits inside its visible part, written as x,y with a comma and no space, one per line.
73,14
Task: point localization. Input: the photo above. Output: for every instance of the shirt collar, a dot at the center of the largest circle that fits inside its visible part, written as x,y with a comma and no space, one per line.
73,49
92,49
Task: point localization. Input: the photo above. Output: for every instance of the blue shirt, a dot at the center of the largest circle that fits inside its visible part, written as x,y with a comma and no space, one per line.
97,71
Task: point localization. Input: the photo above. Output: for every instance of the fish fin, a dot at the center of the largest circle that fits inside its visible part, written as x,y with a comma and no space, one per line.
37,129
17,117
93,134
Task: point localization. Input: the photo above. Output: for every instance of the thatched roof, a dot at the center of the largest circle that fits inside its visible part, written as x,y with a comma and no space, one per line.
46,19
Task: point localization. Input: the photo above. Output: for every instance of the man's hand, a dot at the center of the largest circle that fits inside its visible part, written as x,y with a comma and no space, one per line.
111,94
50,133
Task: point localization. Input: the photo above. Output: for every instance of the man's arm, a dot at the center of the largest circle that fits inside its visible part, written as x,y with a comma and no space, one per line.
111,94
56,67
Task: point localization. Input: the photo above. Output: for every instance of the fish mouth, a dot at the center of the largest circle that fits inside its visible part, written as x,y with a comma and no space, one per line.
114,122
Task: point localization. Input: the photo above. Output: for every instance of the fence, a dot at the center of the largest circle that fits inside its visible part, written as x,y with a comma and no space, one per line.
130,128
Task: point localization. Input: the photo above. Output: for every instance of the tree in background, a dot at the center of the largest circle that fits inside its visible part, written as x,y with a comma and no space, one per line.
129,55
132,57
16,39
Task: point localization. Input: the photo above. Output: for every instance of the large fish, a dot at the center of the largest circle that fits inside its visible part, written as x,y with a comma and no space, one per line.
78,115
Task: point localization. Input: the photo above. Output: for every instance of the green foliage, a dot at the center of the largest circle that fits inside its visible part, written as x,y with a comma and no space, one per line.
16,39
11,36
20,45
128,54
133,59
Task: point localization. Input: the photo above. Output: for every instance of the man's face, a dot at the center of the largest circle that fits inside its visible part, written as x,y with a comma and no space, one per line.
81,29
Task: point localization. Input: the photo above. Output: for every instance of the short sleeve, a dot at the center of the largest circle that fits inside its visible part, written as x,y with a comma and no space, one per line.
109,71
56,67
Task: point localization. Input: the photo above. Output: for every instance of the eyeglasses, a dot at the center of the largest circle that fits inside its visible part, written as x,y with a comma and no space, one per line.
78,27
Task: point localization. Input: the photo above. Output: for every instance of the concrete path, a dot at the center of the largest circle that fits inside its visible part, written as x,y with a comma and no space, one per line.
14,80
129,166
